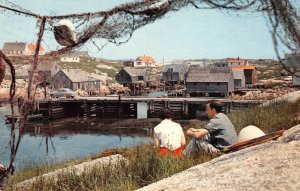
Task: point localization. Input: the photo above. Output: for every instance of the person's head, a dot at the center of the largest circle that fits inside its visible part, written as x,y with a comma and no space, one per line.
166,113
213,107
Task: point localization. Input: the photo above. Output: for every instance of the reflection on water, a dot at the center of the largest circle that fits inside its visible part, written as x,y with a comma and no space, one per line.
67,139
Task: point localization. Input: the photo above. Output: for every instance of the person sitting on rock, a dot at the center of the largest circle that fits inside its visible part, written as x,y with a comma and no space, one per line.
168,135
215,136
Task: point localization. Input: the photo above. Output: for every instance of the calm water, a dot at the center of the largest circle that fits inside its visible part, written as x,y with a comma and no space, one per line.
66,139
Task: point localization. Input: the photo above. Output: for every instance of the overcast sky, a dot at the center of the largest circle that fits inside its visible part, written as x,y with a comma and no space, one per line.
186,34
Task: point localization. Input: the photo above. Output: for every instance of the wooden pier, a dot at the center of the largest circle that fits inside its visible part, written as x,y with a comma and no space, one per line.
127,107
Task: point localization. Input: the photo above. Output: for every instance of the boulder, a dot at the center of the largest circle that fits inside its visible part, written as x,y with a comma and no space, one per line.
274,165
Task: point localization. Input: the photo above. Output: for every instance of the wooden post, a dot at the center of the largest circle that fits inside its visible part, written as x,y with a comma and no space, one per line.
119,107
50,109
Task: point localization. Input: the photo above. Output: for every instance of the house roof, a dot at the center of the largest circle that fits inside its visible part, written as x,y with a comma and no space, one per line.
45,66
77,75
14,46
238,74
214,74
32,47
175,67
145,59
81,53
235,60
243,67
135,71
70,54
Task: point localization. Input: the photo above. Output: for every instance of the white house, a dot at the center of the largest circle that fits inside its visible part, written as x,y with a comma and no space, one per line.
144,61
236,62
70,57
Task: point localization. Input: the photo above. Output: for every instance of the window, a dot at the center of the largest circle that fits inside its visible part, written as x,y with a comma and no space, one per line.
218,83
140,78
207,83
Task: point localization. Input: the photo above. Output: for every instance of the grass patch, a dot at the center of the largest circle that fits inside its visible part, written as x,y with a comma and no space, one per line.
277,116
89,65
144,165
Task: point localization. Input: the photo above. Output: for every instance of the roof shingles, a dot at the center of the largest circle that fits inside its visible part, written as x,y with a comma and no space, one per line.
215,74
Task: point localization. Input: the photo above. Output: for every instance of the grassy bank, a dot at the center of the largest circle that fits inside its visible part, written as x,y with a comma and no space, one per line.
144,165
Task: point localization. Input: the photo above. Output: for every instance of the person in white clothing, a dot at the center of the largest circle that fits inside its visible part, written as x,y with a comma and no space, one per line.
168,135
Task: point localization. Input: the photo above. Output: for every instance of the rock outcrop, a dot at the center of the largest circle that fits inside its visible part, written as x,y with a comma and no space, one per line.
271,166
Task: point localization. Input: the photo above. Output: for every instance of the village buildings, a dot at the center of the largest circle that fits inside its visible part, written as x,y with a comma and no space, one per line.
74,56
210,80
46,71
240,64
134,78
21,49
74,79
140,62
174,74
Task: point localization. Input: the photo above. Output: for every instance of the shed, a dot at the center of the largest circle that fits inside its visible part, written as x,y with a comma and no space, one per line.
210,80
292,63
129,75
239,78
174,73
75,79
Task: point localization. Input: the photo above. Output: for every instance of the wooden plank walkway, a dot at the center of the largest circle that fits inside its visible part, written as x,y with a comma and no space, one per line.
126,107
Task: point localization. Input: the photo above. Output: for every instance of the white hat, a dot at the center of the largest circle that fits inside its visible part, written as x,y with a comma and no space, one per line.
250,132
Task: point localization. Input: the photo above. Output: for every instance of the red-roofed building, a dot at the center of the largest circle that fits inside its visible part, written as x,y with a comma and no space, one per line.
236,62
144,61
20,49
240,64
32,47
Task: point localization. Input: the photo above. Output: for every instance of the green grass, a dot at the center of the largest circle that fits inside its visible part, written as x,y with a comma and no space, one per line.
89,65
277,116
144,165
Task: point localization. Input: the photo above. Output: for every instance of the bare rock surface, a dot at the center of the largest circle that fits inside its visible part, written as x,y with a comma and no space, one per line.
271,166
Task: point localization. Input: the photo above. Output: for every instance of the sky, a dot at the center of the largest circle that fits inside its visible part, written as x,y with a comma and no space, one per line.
186,34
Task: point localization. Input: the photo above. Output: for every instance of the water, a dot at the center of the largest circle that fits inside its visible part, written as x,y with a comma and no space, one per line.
66,139
157,94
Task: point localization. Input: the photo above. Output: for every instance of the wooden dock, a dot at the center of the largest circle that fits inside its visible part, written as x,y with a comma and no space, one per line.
130,107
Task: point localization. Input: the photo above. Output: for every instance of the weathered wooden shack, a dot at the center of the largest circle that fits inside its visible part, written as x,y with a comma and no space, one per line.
46,71
74,79
292,63
174,73
210,80
239,78
134,78
249,72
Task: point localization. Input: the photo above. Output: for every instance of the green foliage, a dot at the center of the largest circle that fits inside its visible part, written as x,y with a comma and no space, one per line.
143,168
276,116
90,65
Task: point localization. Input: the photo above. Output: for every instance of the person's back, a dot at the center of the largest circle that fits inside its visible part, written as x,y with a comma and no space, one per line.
169,134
